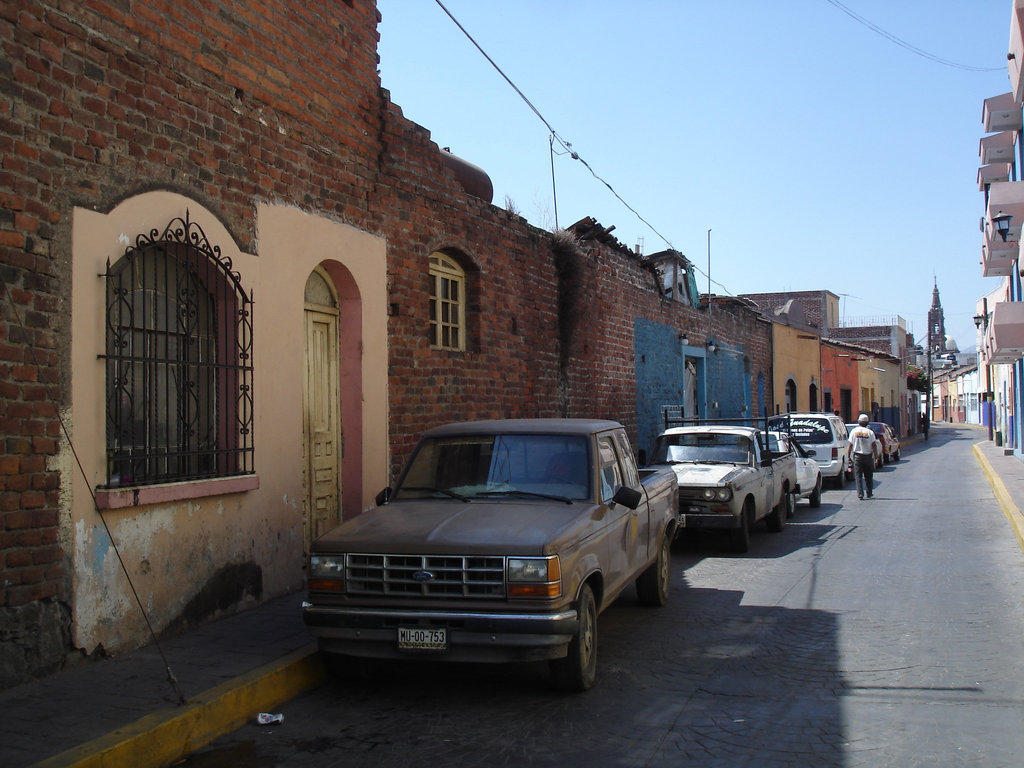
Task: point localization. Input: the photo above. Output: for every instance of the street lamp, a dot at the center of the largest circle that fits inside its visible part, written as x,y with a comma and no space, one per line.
1001,222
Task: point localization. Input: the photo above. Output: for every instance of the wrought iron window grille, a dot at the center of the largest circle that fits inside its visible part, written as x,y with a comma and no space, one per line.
179,341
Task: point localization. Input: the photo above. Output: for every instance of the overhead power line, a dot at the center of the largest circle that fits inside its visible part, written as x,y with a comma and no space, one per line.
904,44
566,145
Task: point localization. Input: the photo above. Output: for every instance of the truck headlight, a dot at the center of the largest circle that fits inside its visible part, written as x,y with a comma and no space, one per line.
326,573
534,577
717,494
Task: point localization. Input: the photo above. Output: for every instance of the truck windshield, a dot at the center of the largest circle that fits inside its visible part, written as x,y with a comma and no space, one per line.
499,467
702,448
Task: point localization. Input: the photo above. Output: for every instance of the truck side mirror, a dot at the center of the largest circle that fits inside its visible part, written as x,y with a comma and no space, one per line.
628,497
383,497
766,461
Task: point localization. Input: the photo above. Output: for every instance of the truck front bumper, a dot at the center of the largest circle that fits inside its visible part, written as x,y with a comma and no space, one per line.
708,520
472,636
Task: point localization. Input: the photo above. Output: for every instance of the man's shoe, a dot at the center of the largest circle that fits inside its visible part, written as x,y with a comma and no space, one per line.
860,496
871,495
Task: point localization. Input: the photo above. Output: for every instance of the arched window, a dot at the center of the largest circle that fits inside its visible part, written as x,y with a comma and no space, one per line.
447,303
179,362
790,395
812,397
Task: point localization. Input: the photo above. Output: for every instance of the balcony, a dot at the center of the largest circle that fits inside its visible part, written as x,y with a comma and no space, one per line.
998,254
997,148
989,174
1004,337
1000,113
997,257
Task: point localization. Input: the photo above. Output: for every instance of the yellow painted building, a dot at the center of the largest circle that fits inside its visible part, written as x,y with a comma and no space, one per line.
796,365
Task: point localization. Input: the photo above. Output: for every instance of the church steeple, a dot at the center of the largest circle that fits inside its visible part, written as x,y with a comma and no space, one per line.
936,323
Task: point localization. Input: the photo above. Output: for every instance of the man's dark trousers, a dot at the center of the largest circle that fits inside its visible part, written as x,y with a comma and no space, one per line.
864,473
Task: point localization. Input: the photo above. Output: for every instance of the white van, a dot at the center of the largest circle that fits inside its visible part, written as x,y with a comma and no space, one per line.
823,433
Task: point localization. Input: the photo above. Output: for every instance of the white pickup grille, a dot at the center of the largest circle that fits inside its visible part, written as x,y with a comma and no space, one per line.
448,576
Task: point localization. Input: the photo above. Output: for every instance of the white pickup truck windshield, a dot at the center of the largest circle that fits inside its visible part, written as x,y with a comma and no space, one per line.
703,448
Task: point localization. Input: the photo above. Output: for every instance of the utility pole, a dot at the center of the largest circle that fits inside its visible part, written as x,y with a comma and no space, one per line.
928,402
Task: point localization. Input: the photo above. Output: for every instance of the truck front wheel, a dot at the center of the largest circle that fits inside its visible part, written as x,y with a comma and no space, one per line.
740,537
577,671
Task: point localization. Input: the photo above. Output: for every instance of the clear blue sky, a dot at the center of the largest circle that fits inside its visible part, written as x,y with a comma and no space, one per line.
820,154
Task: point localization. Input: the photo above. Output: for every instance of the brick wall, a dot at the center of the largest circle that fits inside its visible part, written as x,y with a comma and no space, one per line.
232,104
510,365
104,100
807,307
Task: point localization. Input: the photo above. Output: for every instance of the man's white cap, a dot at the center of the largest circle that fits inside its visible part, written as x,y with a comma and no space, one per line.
863,419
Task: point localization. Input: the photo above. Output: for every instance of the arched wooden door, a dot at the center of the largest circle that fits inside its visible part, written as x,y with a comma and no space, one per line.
322,434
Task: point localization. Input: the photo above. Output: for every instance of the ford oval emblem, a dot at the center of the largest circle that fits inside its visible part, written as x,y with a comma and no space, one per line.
423,576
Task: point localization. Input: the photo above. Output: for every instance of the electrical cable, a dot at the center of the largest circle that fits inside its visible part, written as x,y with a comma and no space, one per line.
575,155
904,44
565,144
167,667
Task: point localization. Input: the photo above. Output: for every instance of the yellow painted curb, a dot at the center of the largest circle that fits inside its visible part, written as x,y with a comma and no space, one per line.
164,737
1011,510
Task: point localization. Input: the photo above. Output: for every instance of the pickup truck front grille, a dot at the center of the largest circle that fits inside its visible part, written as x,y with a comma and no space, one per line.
693,501
448,576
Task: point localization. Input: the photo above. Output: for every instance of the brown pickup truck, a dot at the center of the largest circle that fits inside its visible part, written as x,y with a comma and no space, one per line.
502,541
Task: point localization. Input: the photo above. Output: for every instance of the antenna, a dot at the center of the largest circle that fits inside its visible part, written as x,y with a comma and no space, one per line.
554,194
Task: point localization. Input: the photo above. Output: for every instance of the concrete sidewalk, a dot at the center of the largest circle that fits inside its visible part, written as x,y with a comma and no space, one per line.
1005,474
123,711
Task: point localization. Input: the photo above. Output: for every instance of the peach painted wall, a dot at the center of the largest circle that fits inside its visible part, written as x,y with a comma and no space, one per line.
181,538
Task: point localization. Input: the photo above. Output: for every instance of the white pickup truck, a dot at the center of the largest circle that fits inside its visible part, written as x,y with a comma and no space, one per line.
728,479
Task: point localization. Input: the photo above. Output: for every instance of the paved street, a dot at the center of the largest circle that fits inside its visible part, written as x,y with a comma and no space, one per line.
868,633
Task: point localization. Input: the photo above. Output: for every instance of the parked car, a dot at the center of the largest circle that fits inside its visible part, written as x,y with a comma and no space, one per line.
502,542
887,437
808,473
823,433
728,479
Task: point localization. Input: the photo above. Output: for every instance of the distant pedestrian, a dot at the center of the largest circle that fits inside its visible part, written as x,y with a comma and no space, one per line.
924,425
862,451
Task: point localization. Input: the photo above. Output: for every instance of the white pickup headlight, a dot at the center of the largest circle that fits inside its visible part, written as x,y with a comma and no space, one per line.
717,494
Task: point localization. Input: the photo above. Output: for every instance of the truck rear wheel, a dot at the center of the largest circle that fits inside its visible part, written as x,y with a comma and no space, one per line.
653,584
776,520
577,671
815,498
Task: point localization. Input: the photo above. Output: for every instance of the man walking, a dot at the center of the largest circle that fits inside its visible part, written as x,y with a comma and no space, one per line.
861,450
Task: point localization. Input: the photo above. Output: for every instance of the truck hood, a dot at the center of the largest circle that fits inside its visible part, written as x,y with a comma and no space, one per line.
706,474
508,527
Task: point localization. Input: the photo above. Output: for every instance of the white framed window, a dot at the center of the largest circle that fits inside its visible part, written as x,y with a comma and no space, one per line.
447,303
